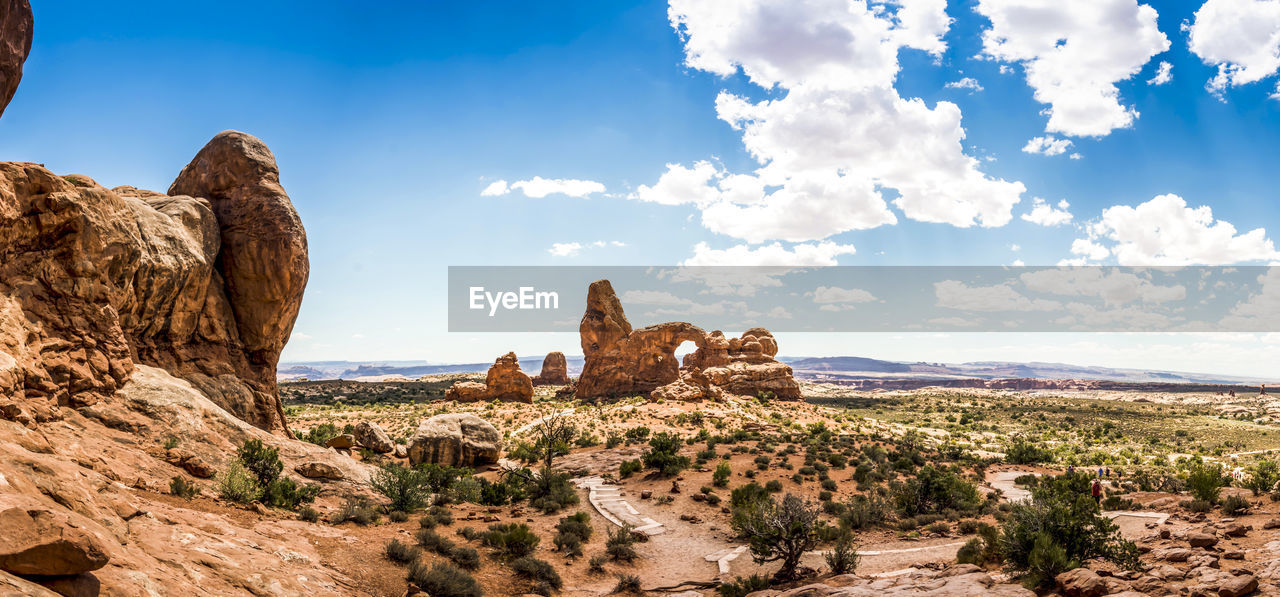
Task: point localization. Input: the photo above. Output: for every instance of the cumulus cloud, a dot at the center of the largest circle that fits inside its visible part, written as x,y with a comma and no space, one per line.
539,187
1164,74
837,133
969,83
809,254
1047,145
1044,214
1074,53
565,249
1088,249
1165,231
495,189
1240,37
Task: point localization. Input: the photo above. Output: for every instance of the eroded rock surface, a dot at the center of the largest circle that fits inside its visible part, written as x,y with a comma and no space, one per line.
622,361
205,282
962,580
15,44
458,439
555,371
504,381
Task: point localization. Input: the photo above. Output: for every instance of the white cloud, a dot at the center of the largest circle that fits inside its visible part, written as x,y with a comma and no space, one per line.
835,294
1047,145
1089,249
1240,37
495,189
565,249
1164,74
1044,214
1074,53
953,294
837,133
539,187
1113,286
809,254
969,83
1164,231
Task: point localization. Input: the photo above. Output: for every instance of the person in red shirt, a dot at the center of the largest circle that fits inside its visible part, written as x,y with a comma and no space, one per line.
1097,491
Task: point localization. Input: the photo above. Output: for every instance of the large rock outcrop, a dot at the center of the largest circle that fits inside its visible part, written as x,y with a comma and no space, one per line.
622,361
458,439
504,381
555,371
16,28
204,282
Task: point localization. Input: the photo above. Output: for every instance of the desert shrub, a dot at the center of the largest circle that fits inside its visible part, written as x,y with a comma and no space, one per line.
627,583
1022,451
441,514
440,478
843,557
407,488
1062,510
400,552
443,580
238,484
551,491
596,564
865,511
968,526
170,442
664,454
934,490
355,509
908,524
720,478
261,461
284,493
619,547
1205,481
465,490
538,571
433,541
512,540
773,486
398,516
465,557
494,494
321,434
470,534
778,531
829,484
572,532
1234,505
308,514
1263,477
183,488
743,586
630,467
1115,502
1046,561
613,441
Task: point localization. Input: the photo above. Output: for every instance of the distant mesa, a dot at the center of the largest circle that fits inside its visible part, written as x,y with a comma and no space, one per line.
505,382
620,360
555,371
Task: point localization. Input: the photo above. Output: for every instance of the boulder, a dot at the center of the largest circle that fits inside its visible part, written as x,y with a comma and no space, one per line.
1237,586
505,382
16,27
1236,529
370,435
458,439
47,543
204,282
11,585
1200,539
1081,582
555,371
313,469
345,441
194,465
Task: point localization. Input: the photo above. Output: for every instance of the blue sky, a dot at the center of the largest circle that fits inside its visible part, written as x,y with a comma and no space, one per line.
389,120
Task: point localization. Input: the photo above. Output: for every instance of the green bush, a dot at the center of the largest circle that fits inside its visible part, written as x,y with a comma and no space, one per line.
720,478
238,484
596,564
538,571
551,491
865,511
443,580
321,434
1263,477
778,531
983,549
630,467
1205,481
1046,561
664,454
284,493
627,583
933,491
619,546
308,514
1022,451
465,557
843,557
773,486
263,462
1063,511
1234,505
512,540
355,509
433,541
743,586
183,488
572,532
407,488
400,552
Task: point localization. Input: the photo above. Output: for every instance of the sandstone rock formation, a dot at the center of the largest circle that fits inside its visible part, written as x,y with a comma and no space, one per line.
505,381
46,543
620,360
370,435
15,44
458,439
555,371
205,282
963,580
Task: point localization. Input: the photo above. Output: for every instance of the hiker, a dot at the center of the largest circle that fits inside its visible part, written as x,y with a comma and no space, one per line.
1071,468
1097,491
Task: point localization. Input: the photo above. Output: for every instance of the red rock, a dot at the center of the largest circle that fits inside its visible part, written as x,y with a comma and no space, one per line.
47,543
555,371
1238,586
504,381
1081,582
15,44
